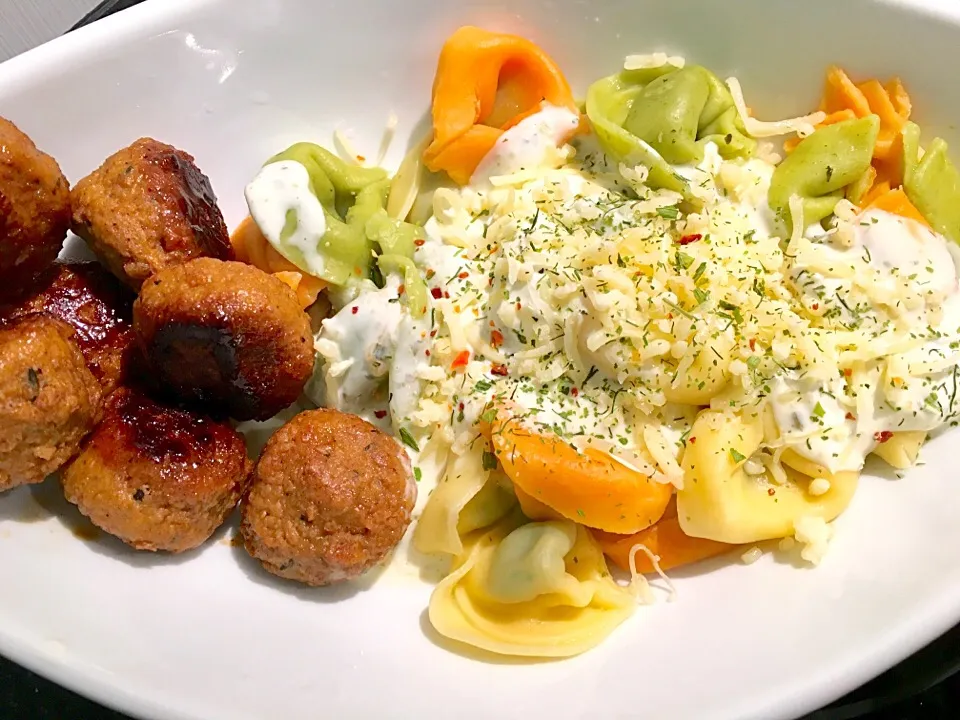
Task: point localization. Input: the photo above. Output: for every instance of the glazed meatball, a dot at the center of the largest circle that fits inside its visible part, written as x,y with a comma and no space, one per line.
155,477
98,308
49,400
331,496
34,209
148,207
225,335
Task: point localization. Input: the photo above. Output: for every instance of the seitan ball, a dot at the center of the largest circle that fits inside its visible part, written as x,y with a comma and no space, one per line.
331,497
156,477
98,309
148,207
34,209
225,337
49,400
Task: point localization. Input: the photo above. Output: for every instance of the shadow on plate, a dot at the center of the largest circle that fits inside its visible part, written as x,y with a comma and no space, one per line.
472,653
49,496
330,594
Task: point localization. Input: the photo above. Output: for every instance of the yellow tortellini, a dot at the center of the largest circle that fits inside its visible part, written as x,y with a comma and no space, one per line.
468,497
537,589
720,501
706,377
900,452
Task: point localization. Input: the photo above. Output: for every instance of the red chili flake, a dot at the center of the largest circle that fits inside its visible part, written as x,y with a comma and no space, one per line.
433,333
669,316
464,275
420,242
461,360
850,416
882,436
446,295
381,414
692,441
401,289
816,306
354,309
460,407
574,392
496,338
687,239
499,370
361,158
519,306
437,293
427,353
847,372
753,343
771,492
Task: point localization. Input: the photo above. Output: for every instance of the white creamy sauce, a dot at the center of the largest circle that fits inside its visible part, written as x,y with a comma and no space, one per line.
891,274
527,144
358,346
281,190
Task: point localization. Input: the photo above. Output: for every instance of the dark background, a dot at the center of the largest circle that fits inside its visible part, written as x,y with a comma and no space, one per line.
923,687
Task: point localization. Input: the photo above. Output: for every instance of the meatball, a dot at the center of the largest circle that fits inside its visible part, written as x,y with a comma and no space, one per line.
149,207
49,400
98,308
331,496
155,477
225,335
34,209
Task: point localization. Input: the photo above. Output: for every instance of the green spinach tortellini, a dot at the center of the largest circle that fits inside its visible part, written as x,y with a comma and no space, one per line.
932,183
358,228
821,166
661,116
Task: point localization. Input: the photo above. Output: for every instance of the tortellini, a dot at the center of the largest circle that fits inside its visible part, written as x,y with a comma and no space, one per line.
468,497
706,377
537,589
657,116
358,228
720,501
821,166
901,451
932,183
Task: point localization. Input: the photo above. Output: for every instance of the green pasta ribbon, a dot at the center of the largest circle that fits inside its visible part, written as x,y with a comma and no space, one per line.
821,166
359,230
932,183
661,116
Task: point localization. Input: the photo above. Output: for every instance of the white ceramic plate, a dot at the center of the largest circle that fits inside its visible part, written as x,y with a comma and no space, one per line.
209,636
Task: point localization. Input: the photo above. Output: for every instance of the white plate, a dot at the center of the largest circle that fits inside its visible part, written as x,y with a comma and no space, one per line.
209,636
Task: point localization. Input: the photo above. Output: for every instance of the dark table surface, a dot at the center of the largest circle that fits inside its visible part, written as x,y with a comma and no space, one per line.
924,687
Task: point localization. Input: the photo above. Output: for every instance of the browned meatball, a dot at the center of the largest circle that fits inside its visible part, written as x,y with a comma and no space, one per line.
226,336
155,477
149,207
49,400
34,209
331,497
98,308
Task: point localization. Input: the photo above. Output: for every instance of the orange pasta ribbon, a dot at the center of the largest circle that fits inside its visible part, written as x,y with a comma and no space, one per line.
252,248
665,539
486,83
590,487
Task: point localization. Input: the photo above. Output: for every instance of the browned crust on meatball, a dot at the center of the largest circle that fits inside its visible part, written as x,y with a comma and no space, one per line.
34,209
98,308
49,400
148,207
226,336
331,497
156,477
